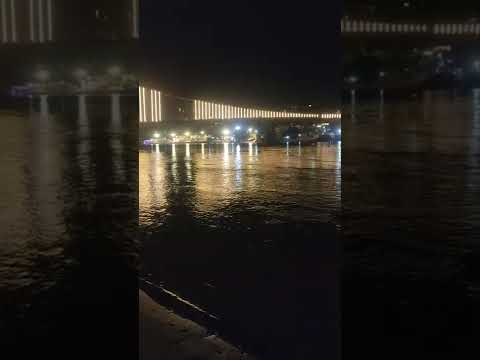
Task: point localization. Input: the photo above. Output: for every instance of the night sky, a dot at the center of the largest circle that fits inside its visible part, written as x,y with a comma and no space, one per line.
246,52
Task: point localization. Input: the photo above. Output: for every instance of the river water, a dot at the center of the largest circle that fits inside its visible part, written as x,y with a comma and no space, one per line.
68,222
248,234
411,226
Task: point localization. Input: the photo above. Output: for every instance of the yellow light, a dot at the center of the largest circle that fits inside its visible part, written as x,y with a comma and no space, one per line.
156,105
152,106
140,102
144,105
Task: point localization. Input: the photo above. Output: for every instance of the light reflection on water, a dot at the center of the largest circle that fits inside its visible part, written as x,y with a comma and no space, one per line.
68,199
249,222
411,224
241,175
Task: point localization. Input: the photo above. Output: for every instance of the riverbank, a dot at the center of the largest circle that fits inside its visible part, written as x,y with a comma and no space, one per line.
167,336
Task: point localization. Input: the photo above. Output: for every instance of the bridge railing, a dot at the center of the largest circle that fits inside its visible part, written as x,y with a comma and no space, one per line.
153,109
204,110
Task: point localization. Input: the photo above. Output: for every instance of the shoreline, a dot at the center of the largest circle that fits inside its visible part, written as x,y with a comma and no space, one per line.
165,335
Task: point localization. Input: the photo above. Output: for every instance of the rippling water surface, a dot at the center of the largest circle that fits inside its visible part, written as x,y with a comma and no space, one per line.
411,225
68,215
248,234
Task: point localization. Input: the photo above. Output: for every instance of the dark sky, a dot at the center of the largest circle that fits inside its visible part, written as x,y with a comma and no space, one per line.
247,51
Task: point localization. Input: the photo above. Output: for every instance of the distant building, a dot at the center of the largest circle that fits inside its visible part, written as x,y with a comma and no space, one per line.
46,21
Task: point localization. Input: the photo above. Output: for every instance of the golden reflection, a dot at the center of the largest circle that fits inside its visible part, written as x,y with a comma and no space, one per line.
223,177
152,190
226,153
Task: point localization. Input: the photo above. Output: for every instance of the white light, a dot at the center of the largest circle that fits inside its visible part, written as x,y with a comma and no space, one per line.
156,135
173,135
238,128
202,132
115,70
80,73
250,130
226,132
476,65
352,79
43,75
187,133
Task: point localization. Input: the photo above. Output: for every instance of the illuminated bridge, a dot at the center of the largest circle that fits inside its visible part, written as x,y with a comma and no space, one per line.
373,27
156,107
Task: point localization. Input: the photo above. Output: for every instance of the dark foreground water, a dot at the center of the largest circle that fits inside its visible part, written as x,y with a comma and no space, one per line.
249,235
68,221
411,225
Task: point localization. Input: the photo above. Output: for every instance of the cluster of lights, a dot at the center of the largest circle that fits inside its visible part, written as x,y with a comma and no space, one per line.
453,29
187,134
373,26
332,116
227,132
354,26
150,105
204,110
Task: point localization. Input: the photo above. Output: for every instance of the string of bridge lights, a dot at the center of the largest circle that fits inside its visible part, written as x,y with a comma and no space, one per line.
360,26
150,106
